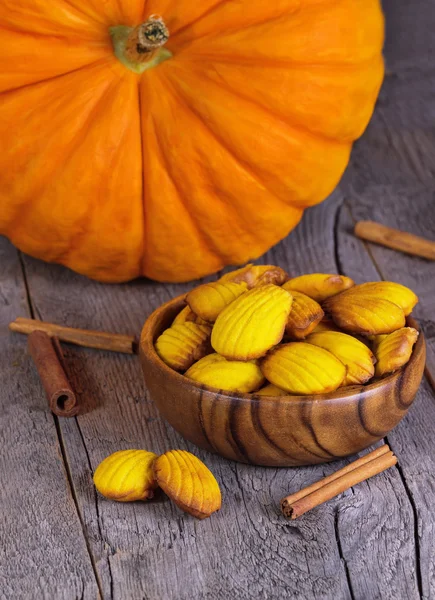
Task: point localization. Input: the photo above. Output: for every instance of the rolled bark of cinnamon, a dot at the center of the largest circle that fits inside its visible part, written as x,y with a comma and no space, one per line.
395,239
102,340
375,462
350,467
48,358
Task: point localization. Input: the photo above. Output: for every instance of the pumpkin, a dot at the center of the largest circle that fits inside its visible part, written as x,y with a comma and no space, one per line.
168,138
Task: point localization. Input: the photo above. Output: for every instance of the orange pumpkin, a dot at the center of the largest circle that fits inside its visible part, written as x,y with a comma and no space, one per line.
122,159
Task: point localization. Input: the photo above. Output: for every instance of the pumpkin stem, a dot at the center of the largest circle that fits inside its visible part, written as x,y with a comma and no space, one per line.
146,39
140,48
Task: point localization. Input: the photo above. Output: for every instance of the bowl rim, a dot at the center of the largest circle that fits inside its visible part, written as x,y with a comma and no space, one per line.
148,351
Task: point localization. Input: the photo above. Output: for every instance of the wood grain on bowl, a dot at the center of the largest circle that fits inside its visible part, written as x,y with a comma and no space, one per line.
277,431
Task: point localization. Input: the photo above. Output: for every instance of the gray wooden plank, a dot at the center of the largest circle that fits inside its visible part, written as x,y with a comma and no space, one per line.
43,552
152,550
400,192
409,45
391,179
412,438
410,208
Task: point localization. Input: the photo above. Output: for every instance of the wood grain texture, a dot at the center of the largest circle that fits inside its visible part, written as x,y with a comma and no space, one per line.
412,438
43,551
275,431
391,180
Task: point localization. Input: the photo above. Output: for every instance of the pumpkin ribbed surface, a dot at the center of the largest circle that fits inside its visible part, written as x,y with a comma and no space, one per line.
207,159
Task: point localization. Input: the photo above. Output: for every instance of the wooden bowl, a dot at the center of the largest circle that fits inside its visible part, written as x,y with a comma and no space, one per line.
277,431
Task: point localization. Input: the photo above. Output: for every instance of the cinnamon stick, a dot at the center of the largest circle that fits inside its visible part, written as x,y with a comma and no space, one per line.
395,239
375,462
116,342
346,469
48,358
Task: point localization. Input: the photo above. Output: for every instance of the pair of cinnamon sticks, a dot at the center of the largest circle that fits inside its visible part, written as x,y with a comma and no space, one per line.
46,352
375,462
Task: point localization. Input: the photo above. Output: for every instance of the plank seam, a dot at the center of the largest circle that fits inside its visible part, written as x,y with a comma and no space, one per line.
32,310
416,536
399,469
338,263
340,552
339,268
364,243
26,285
97,508
76,504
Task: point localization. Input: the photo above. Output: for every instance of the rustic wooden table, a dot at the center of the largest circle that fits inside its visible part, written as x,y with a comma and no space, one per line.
59,539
